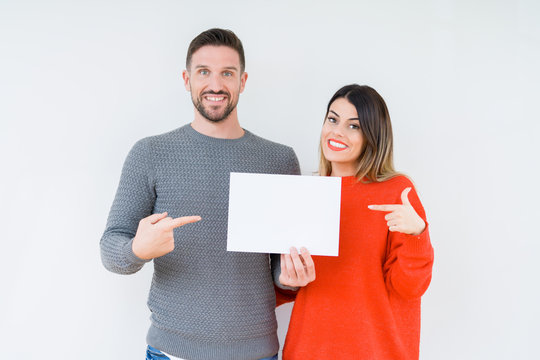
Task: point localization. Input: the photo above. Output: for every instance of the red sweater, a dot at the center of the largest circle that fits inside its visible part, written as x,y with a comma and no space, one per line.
365,303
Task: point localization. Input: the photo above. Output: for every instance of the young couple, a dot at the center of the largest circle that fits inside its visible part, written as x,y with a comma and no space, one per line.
207,303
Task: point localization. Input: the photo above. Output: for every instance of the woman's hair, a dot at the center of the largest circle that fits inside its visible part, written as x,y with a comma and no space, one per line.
375,161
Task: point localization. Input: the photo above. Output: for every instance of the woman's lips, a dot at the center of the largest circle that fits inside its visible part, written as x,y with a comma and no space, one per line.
336,145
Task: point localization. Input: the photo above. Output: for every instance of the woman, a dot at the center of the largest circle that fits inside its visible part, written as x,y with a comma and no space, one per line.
365,303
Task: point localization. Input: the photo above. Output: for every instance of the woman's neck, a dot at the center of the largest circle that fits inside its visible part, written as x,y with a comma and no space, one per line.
343,170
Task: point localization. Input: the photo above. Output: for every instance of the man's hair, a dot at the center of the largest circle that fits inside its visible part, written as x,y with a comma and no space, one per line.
216,37
376,157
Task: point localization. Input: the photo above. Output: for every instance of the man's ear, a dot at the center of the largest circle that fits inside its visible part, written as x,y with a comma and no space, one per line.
243,79
185,76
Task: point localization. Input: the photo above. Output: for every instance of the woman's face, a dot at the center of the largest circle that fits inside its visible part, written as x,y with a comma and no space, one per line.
341,138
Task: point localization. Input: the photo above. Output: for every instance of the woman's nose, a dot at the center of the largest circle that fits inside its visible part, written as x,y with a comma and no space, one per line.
338,130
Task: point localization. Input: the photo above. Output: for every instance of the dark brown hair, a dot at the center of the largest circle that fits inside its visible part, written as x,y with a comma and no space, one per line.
216,37
375,161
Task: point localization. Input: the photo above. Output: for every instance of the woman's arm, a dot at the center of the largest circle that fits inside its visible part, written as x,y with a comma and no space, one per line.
409,255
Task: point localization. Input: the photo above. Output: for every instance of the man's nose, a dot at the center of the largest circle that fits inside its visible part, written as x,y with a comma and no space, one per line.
215,83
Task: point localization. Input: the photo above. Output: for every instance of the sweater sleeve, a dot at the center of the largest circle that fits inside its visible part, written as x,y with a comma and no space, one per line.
409,258
134,201
293,164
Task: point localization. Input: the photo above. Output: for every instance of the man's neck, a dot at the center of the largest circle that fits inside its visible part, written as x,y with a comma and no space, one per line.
228,128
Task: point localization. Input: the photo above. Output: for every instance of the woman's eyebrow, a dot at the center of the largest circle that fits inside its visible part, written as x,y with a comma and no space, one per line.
335,113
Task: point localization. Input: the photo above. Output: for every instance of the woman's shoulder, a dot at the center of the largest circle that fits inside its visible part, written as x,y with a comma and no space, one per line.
400,180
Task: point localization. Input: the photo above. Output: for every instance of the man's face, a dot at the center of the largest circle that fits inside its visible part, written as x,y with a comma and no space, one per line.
215,81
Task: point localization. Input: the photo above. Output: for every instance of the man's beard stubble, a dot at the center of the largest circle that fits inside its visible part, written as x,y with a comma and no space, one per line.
216,118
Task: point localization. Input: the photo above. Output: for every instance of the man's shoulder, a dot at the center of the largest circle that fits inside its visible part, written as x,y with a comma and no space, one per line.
163,139
172,135
269,144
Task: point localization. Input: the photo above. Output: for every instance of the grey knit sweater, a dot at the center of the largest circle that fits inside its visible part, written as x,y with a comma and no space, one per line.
206,303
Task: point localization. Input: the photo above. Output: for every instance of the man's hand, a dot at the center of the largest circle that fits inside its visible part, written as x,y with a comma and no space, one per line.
154,237
297,270
402,218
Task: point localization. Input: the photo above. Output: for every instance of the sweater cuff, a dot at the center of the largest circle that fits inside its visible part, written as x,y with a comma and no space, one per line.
285,287
418,243
130,256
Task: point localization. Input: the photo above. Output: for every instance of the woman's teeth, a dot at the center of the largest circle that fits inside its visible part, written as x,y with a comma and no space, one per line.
336,144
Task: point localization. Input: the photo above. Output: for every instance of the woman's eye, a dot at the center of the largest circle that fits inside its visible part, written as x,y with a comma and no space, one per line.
353,126
332,120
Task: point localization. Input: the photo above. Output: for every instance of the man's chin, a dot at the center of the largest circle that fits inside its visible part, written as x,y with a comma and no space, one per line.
215,115
214,119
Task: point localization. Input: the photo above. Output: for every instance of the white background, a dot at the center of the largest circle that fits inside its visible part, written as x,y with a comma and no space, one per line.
80,82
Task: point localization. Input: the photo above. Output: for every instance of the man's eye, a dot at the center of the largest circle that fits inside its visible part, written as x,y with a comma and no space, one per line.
227,73
203,72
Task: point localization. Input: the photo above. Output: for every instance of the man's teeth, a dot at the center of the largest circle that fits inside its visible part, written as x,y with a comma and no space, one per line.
213,98
338,145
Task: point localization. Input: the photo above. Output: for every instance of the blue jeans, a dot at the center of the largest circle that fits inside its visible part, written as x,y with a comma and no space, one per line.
155,354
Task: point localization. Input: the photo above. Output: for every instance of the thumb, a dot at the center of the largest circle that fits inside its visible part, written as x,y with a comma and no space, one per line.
154,218
405,196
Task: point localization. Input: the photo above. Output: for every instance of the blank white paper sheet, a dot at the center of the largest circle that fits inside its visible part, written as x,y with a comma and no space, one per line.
271,213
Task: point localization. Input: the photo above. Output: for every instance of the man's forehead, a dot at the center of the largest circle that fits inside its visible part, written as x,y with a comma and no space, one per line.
216,56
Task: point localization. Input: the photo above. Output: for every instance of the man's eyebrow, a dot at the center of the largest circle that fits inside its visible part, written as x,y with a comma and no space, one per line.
226,67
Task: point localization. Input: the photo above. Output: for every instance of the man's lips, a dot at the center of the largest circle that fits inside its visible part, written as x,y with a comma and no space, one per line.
215,98
336,145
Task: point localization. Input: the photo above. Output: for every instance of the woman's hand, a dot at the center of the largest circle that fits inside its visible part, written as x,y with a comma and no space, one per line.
402,218
297,269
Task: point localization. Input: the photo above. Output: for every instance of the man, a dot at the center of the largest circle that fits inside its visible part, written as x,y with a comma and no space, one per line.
171,207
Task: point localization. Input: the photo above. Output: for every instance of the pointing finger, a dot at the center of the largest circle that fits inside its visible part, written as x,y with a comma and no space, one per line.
384,207
174,223
405,196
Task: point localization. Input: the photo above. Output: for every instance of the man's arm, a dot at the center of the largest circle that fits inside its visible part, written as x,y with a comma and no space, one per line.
134,201
292,164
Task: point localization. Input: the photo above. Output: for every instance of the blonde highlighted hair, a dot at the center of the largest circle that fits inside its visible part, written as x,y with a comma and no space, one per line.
375,162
